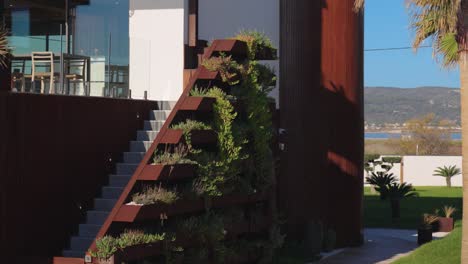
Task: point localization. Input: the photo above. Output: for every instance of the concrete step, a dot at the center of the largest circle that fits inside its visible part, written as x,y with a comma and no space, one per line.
166,105
119,180
101,204
74,254
87,230
126,168
146,135
96,217
140,146
153,125
109,192
159,115
133,157
80,243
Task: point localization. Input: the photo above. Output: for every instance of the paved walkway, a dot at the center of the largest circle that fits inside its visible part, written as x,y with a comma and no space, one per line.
382,246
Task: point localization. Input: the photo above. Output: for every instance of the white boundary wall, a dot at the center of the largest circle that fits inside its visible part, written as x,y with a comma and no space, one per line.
159,29
157,36
418,170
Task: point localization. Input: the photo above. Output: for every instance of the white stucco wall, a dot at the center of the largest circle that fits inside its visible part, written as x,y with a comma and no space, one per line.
225,18
418,170
157,35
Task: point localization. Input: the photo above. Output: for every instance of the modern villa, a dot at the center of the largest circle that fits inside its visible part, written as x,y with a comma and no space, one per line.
95,88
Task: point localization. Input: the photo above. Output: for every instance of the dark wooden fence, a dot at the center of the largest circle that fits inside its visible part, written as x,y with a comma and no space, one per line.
55,153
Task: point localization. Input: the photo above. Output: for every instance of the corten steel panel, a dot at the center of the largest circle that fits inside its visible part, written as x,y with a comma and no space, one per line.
321,109
58,151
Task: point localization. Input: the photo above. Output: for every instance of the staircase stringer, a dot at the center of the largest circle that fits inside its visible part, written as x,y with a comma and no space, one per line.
149,154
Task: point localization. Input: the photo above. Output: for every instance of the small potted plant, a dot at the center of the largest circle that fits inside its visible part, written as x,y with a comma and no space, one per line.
425,230
446,223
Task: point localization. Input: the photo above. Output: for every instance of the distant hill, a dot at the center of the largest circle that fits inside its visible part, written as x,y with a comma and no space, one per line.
397,105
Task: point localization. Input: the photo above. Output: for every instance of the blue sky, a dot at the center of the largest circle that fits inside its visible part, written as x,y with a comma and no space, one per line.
386,26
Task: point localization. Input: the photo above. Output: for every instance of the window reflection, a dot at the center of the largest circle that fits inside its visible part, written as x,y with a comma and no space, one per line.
97,30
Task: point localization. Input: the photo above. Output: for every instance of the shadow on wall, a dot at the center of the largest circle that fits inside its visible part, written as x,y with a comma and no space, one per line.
344,172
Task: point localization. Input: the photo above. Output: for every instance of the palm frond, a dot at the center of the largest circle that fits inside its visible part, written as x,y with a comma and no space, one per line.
447,171
399,191
448,46
438,22
4,50
358,5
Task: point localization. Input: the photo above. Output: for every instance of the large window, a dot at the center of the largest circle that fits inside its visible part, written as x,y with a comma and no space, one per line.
89,40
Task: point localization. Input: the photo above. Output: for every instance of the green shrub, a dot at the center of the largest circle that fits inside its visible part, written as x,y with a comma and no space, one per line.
257,42
228,68
266,77
107,246
392,160
154,195
178,156
371,157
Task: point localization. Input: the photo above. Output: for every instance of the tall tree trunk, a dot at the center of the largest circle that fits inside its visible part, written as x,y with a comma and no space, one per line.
464,118
449,181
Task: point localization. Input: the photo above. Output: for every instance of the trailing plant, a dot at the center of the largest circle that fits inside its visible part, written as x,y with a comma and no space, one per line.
188,126
154,195
178,156
381,181
205,230
228,68
107,246
219,173
449,211
266,77
258,44
259,123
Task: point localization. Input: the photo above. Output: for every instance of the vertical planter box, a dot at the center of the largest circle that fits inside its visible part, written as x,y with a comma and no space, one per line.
198,137
196,103
167,172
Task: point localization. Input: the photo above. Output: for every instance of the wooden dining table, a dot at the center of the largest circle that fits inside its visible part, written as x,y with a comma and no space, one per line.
62,58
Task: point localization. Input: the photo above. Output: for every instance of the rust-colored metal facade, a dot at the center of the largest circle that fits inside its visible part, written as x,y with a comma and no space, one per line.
55,154
321,102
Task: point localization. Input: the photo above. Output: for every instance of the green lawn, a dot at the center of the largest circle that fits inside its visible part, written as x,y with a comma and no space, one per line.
445,251
377,213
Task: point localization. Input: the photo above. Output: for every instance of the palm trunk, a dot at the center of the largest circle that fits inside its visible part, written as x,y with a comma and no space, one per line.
449,181
464,118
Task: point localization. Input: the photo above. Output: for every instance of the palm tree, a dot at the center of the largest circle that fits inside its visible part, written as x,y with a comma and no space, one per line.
396,193
448,173
4,50
445,23
381,180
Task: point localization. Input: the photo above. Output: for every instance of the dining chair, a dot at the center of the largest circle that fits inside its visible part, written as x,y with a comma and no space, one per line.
76,73
43,69
17,75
